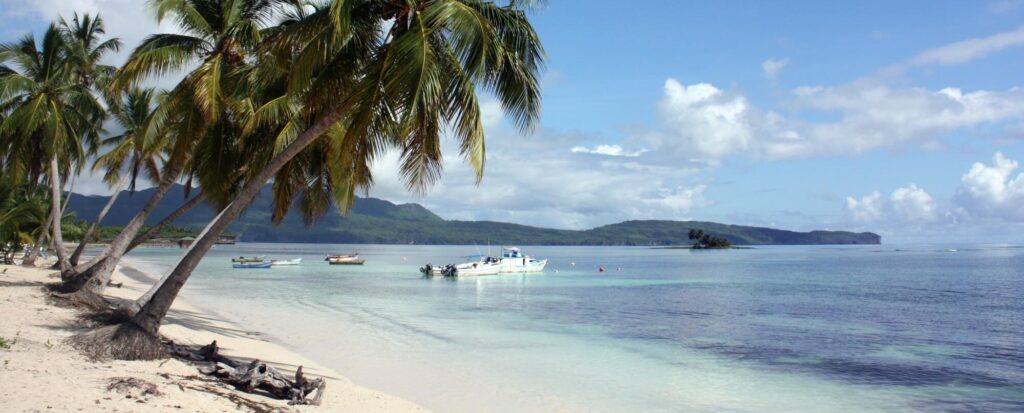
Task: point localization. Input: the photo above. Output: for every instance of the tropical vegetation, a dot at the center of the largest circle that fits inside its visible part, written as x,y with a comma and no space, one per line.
302,94
704,240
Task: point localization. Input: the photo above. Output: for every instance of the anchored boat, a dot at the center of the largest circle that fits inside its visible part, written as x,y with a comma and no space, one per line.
481,265
251,265
513,260
260,258
277,263
345,259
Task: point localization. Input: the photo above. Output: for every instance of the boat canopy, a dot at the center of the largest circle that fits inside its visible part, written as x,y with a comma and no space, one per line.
512,252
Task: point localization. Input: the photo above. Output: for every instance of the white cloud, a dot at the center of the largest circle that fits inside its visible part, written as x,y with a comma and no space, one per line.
707,121
959,52
609,150
533,180
771,67
710,121
970,49
681,200
992,190
907,205
866,209
912,204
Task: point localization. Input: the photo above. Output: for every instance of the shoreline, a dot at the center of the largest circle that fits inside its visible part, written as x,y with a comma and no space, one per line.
36,360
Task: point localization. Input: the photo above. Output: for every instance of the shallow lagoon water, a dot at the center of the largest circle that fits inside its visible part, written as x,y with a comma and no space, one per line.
850,328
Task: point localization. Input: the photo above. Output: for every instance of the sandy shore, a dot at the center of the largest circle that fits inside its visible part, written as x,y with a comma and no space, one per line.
38,372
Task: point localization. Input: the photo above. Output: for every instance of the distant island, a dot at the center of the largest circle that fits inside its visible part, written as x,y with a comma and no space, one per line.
376,221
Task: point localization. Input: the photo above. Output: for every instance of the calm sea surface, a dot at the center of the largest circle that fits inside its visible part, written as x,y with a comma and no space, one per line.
860,328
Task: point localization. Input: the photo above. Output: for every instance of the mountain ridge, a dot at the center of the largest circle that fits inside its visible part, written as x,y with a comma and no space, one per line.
378,221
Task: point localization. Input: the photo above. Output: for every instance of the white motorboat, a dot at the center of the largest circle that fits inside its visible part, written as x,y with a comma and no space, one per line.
278,263
513,260
482,265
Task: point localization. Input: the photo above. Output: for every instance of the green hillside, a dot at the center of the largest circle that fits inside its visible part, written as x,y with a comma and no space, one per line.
376,221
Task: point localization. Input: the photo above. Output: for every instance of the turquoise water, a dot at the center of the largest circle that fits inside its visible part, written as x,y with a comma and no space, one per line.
859,328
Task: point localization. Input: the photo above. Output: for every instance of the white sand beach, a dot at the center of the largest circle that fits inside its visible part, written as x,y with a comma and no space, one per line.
40,372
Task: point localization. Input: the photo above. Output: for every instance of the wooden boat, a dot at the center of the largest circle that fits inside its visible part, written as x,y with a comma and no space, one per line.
348,260
265,264
243,260
277,263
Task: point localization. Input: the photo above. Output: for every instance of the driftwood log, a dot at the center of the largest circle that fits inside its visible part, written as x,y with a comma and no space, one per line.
255,376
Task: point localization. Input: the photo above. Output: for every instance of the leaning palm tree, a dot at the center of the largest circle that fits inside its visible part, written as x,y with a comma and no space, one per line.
366,90
50,113
217,35
128,156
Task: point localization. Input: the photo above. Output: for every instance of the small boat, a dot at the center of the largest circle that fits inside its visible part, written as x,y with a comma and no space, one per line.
277,263
265,264
348,260
482,265
260,258
341,256
513,260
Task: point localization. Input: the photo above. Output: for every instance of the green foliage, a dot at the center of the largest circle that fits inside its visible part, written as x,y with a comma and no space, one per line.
4,344
707,241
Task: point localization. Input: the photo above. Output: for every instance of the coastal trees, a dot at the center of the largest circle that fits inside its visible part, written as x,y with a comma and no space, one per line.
197,112
129,153
48,114
364,77
707,241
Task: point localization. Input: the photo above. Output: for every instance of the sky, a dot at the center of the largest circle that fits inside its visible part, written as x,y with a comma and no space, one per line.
901,118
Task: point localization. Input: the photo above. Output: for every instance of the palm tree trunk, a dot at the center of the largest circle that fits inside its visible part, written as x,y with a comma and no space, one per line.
92,228
96,277
33,253
155,229
135,306
55,215
153,312
63,210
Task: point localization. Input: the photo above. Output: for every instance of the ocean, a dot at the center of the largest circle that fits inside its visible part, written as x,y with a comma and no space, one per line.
769,329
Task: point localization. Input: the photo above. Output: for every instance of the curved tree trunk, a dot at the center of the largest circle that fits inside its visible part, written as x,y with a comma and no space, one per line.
55,215
151,314
99,218
96,277
155,229
33,253
134,307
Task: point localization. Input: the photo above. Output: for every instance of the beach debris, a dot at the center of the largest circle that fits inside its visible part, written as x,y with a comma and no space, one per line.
133,388
255,375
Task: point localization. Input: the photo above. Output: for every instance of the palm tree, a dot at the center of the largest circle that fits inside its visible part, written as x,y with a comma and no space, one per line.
23,214
49,115
129,153
85,49
364,90
217,34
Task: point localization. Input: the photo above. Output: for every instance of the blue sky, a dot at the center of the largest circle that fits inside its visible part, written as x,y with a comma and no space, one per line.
905,118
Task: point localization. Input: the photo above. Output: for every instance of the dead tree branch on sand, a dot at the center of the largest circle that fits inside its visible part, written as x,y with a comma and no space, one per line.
255,376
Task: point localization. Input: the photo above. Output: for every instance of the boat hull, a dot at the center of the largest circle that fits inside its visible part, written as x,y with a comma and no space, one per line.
254,265
357,261
520,265
283,263
464,270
